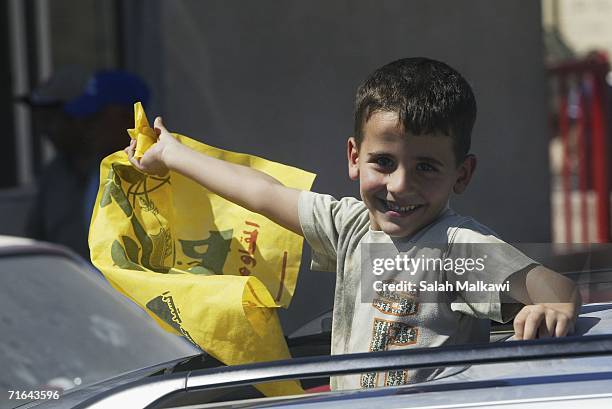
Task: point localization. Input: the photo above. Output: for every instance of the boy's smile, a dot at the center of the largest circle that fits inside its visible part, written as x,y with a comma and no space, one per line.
404,180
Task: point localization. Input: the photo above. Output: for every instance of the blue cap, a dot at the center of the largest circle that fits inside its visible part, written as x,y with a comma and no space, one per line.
112,87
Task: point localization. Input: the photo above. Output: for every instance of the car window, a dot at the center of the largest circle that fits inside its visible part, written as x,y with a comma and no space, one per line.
62,325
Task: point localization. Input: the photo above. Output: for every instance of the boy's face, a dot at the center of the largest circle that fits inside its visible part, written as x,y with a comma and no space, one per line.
405,180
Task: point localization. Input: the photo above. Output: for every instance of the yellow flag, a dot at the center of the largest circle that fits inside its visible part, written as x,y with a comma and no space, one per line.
197,263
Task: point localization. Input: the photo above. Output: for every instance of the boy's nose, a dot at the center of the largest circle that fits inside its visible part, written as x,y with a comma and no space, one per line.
399,181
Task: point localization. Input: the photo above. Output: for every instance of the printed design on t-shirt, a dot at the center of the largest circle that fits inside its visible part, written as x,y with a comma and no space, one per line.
399,304
385,334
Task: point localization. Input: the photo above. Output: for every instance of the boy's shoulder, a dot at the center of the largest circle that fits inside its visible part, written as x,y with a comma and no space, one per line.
456,228
323,214
325,203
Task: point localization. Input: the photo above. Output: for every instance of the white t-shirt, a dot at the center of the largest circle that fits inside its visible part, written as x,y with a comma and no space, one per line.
337,230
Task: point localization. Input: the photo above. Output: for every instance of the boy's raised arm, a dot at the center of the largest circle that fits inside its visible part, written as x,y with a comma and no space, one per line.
247,187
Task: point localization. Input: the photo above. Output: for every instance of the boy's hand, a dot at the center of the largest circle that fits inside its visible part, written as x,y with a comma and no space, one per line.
552,303
544,320
154,159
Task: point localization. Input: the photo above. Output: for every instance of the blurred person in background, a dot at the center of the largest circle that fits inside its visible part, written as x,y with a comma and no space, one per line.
85,120
61,181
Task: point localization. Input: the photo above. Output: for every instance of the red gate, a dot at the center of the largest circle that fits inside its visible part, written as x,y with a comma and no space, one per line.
582,119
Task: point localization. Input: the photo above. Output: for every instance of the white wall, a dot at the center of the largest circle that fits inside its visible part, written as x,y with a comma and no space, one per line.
583,24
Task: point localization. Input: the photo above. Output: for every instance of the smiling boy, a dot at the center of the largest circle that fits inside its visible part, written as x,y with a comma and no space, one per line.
404,180
409,152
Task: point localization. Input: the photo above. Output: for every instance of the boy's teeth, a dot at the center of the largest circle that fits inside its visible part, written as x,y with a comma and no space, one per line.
401,208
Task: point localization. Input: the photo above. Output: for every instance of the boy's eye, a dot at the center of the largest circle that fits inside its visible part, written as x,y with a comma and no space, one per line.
425,167
383,161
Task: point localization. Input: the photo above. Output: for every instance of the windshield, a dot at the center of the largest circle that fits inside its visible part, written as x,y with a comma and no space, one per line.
63,326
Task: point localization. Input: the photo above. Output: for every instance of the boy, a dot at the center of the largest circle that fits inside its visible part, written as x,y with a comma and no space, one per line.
413,123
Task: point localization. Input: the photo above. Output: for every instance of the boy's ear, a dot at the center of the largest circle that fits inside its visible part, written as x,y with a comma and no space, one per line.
352,154
466,170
